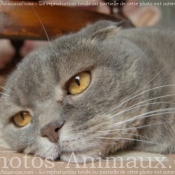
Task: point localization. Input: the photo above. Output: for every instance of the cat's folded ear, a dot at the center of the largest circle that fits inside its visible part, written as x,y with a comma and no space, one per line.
105,33
100,30
100,25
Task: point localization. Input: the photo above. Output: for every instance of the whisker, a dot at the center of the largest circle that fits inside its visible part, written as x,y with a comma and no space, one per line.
122,138
146,115
138,135
154,99
3,88
143,93
4,94
107,131
143,52
137,127
137,106
160,123
157,74
43,28
152,79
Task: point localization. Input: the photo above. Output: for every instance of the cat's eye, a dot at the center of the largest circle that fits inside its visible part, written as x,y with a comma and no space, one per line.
22,118
79,83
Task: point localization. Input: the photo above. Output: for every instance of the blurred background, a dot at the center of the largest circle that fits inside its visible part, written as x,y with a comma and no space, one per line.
168,12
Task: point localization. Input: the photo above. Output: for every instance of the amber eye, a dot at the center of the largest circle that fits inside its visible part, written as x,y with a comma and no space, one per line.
22,118
79,83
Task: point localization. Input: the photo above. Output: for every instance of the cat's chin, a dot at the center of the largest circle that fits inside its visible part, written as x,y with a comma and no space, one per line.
53,153
44,148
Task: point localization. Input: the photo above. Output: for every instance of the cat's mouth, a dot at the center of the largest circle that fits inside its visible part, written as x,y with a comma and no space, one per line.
70,153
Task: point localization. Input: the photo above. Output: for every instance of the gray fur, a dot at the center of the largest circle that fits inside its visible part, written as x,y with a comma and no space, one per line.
123,63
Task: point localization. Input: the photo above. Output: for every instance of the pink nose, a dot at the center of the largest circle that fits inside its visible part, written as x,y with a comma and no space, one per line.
51,131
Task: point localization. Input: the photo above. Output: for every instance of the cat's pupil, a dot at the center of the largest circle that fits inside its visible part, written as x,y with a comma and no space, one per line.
77,80
22,115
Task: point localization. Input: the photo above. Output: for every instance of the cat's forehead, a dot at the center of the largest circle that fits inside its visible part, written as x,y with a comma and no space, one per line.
63,58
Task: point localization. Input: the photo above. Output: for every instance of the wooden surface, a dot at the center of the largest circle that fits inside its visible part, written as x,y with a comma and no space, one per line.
32,22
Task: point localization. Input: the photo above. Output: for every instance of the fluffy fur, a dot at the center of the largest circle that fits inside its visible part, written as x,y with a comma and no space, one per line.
128,104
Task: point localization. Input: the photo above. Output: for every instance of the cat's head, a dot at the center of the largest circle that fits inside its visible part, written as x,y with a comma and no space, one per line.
68,96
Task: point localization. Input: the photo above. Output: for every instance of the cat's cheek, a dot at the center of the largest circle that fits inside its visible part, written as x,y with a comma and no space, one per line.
19,138
10,133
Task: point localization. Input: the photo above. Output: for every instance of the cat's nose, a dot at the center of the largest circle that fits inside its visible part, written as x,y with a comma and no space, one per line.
51,131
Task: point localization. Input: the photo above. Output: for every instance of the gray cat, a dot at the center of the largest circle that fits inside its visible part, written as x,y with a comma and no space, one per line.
93,93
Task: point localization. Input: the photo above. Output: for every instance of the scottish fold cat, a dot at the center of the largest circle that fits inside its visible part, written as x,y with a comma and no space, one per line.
93,93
